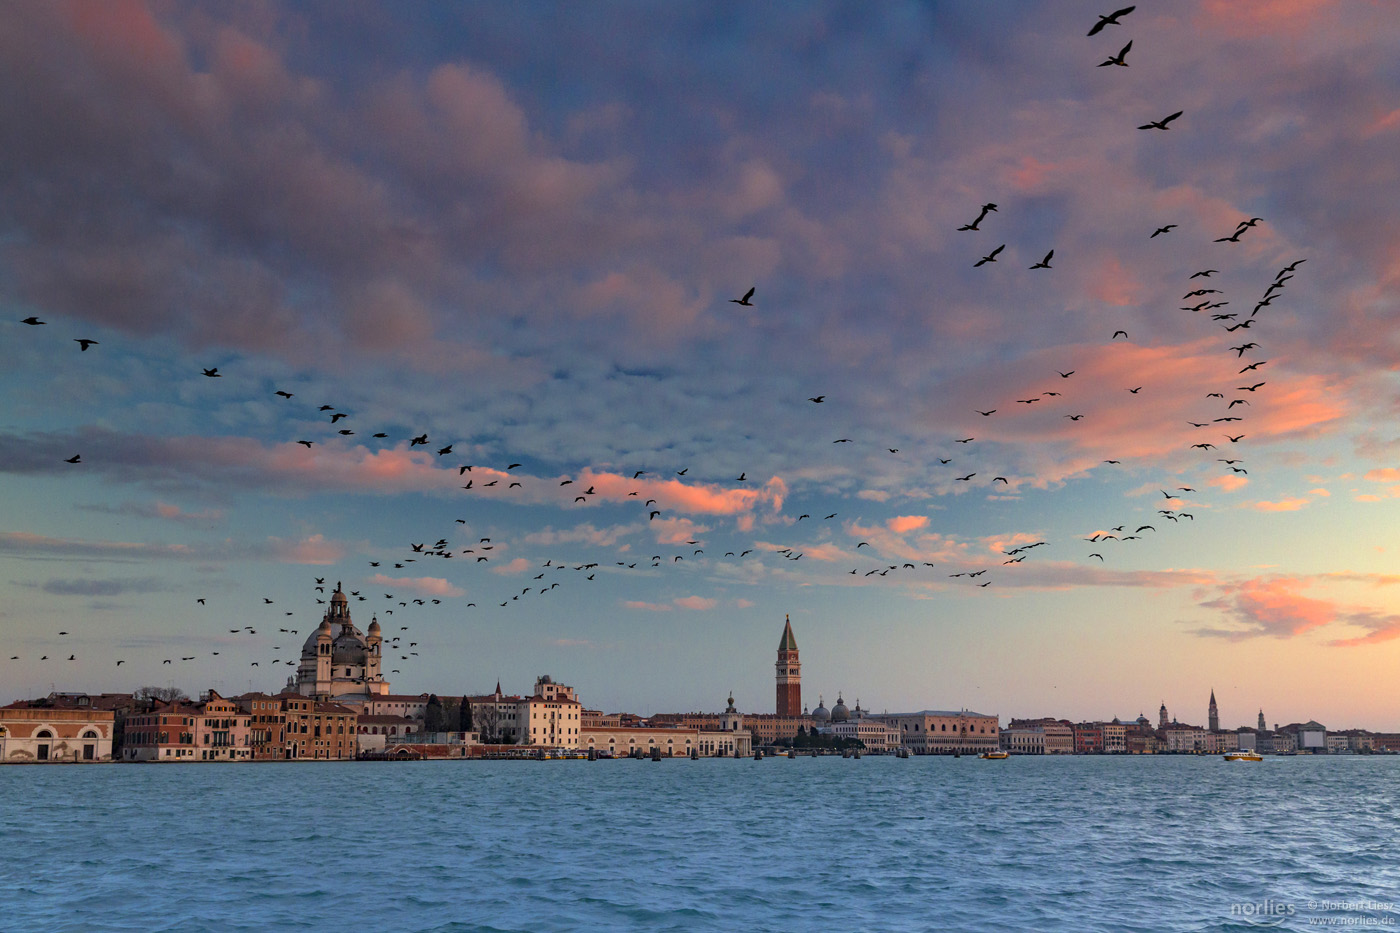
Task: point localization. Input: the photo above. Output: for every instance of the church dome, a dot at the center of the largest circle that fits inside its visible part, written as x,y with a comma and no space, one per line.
373,626
309,647
348,647
821,713
839,712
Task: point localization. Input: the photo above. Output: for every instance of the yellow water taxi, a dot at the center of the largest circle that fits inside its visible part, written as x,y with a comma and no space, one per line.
995,755
1243,756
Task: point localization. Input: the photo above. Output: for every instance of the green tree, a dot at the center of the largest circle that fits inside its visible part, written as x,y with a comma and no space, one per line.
432,715
464,715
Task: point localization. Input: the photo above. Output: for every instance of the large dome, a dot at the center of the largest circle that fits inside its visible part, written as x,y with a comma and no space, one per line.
821,713
839,712
348,647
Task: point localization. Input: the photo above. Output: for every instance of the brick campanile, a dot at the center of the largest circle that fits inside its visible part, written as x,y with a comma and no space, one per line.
789,674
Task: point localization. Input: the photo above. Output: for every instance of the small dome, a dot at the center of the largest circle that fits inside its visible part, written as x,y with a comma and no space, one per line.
374,626
821,713
839,712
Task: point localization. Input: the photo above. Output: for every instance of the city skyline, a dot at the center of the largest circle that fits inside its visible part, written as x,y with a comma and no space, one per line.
681,295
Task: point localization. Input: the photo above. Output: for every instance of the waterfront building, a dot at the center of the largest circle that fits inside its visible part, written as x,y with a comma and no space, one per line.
47,731
789,674
877,735
945,732
1059,733
163,733
222,730
318,729
408,705
1023,740
341,666
267,726
373,733
1141,739
552,716
1338,744
674,741
1115,737
1180,737
1088,738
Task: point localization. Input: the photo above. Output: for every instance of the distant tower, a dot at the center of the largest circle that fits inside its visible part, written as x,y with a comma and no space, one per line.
1214,715
731,720
1162,716
1262,726
789,673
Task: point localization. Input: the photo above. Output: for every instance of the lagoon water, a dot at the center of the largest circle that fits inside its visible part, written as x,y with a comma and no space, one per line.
829,844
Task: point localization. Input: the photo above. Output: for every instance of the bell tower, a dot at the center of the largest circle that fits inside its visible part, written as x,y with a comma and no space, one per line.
1214,714
789,673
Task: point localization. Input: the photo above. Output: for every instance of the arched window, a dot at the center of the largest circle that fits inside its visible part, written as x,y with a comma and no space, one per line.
43,734
90,734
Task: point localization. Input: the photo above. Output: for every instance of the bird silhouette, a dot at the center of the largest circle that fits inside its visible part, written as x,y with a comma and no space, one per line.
745,300
83,343
1110,19
990,257
1044,263
1162,123
1120,58
974,225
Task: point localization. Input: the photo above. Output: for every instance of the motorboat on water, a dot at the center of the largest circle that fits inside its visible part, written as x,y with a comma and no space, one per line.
1243,756
998,754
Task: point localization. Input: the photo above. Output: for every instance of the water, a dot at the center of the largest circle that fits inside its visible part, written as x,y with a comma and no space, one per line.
831,844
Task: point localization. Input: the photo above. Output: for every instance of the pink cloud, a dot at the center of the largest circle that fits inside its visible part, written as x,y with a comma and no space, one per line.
1383,475
1229,482
649,607
428,586
313,550
695,602
1283,505
519,565
903,524
1273,607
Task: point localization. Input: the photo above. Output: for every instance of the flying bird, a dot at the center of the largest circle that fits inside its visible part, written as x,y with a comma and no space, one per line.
33,321
1044,263
76,458
1162,123
745,300
1167,229
83,343
213,373
974,225
1111,19
990,257
1120,58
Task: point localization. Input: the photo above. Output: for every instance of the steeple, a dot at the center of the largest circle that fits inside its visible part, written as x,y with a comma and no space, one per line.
1262,726
788,643
789,671
1213,714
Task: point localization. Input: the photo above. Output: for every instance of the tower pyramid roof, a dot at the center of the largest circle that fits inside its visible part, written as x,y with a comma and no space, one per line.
788,643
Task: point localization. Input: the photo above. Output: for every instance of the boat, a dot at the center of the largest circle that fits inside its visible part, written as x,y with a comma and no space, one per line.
1243,756
995,755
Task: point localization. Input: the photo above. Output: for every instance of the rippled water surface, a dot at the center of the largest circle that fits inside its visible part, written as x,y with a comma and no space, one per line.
1152,844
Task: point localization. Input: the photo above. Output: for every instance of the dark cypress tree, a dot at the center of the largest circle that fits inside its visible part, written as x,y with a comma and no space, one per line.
432,716
464,715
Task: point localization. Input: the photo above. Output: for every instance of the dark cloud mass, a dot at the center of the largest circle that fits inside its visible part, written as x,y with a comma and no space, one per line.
272,245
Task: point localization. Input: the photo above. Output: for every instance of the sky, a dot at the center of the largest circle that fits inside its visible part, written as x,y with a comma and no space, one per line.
522,234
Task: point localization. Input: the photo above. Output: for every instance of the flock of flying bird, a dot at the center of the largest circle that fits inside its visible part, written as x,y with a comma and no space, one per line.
553,575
